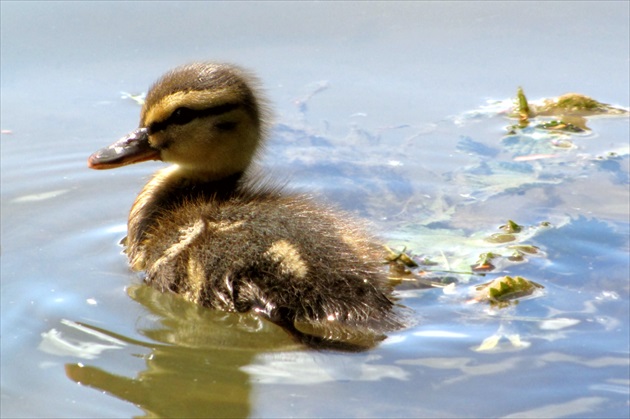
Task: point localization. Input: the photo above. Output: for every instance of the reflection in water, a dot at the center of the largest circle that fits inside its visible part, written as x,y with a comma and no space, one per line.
575,407
192,326
56,343
306,368
190,359
459,177
204,388
202,362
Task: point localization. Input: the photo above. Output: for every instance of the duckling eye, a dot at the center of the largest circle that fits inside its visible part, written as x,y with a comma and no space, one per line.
181,116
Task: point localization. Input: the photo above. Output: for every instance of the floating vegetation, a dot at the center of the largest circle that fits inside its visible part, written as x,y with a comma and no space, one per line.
399,264
511,227
576,104
400,257
570,104
476,253
537,150
449,272
519,252
505,291
570,112
514,253
402,267
484,264
525,248
561,125
543,160
524,113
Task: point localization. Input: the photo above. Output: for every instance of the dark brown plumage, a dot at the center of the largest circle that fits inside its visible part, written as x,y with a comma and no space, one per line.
203,229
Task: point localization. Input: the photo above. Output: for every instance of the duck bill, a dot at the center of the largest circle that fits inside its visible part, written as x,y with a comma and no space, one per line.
132,148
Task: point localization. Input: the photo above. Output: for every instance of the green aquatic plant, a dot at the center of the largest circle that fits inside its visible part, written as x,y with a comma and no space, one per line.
511,227
576,104
399,264
525,248
505,290
522,108
569,104
484,263
520,250
571,110
401,257
514,253
562,125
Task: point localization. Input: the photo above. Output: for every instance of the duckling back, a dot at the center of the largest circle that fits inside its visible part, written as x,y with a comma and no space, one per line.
293,262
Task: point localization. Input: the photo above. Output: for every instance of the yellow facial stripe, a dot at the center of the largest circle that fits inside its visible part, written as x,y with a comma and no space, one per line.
193,99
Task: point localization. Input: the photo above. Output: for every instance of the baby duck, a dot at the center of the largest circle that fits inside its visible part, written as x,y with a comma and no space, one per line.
206,229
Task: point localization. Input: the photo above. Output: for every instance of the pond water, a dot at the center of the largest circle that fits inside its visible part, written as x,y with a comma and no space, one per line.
388,110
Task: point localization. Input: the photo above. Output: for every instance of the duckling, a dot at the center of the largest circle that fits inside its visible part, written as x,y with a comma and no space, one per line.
210,230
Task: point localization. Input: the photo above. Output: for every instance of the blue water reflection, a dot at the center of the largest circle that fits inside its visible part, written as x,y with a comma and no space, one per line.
371,103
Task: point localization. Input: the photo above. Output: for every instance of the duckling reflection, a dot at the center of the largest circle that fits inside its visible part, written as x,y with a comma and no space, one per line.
207,229
212,359
183,346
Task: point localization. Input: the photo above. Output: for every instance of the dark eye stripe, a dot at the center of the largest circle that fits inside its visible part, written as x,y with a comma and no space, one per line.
183,115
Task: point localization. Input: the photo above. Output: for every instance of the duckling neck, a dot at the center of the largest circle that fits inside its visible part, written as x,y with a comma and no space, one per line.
171,188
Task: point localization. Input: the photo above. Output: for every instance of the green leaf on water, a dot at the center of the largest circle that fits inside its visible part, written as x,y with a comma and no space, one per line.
505,290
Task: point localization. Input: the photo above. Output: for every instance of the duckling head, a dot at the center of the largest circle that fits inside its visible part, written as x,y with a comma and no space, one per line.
206,118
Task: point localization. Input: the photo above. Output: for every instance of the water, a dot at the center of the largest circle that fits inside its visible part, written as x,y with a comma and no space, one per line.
371,104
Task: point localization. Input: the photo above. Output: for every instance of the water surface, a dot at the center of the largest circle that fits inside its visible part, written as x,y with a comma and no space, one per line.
378,110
